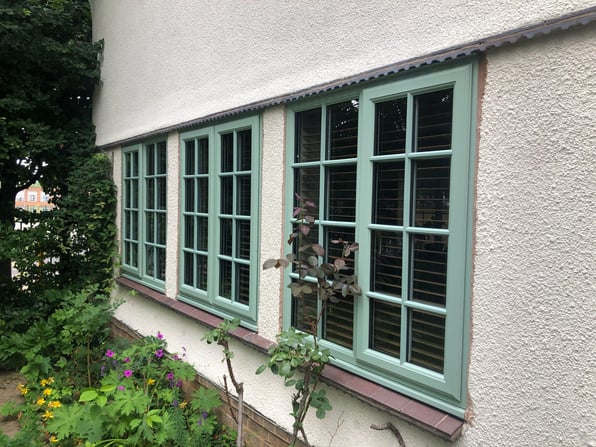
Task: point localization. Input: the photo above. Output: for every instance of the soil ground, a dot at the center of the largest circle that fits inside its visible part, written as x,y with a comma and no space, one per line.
9,393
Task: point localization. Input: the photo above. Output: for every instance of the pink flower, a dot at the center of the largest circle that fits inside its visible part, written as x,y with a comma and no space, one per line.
127,359
121,387
160,335
159,353
127,373
109,353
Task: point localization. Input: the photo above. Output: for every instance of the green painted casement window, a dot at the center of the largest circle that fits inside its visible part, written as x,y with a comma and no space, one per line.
220,218
144,213
390,167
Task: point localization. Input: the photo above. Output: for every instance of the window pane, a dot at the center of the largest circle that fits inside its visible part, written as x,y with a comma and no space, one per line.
161,157
203,195
189,232
434,116
135,164
342,130
244,150
135,225
189,194
243,239
304,242
203,156
243,192
242,283
308,135
149,260
304,312
189,162
339,321
161,193
341,199
225,279
134,253
202,233
335,250
161,228
201,273
388,199
429,264
427,340
150,159
385,327
431,193
225,236
189,269
390,127
227,195
227,152
150,193
386,268
150,227
134,187
307,185
160,254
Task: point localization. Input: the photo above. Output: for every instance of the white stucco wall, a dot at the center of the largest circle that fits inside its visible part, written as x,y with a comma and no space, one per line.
166,62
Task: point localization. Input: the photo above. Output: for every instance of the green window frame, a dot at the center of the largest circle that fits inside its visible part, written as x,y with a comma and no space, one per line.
220,188
390,166
144,212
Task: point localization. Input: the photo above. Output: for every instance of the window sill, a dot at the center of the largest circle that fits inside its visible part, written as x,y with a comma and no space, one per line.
421,415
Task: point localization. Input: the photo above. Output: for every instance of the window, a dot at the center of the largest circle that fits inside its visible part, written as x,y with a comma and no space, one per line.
389,167
220,187
20,197
144,213
32,196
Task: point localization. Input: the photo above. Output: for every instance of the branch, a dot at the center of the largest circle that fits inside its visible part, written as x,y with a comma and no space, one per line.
393,428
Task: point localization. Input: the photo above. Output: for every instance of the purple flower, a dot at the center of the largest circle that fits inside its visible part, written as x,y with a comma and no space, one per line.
121,387
170,376
127,373
179,383
109,353
175,403
159,353
127,359
176,357
160,335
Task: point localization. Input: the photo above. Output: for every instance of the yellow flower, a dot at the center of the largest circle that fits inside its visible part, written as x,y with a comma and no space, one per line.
47,415
47,391
54,404
41,401
150,381
183,404
46,382
53,439
23,389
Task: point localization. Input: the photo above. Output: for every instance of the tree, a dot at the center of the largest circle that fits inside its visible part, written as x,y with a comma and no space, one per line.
49,67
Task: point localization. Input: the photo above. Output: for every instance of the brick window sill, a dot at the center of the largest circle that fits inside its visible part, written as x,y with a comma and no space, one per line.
424,416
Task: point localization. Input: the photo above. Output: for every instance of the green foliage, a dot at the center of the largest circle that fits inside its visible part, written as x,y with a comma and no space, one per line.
296,351
139,402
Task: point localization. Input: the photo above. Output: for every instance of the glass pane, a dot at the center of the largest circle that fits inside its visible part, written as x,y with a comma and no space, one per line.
127,194
201,272
189,161
150,193
225,279
390,127
434,113
227,195
341,197
134,253
225,237
429,269
308,135
202,233
150,227
386,268
203,156
243,239
127,249
161,157
388,199
227,152
244,150
339,321
149,260
427,340
203,195
342,130
135,164
150,152
431,193
135,225
385,327
304,312
160,254
134,187
189,269
305,242
242,283
307,185
161,228
335,250
189,232
189,195
161,193
127,225
243,192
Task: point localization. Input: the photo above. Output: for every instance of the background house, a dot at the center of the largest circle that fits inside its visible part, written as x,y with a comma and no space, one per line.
455,141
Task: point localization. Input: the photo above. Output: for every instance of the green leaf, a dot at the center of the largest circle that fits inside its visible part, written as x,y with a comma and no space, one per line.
260,369
88,395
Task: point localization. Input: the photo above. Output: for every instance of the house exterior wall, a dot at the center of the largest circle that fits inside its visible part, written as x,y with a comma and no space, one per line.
531,354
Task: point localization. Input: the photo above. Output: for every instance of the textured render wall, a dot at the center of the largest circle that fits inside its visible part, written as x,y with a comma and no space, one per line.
173,214
532,378
168,62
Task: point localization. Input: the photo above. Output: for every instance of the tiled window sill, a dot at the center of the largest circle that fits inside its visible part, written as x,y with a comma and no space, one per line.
424,416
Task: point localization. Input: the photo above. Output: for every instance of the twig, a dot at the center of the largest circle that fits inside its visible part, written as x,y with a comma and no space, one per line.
393,428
